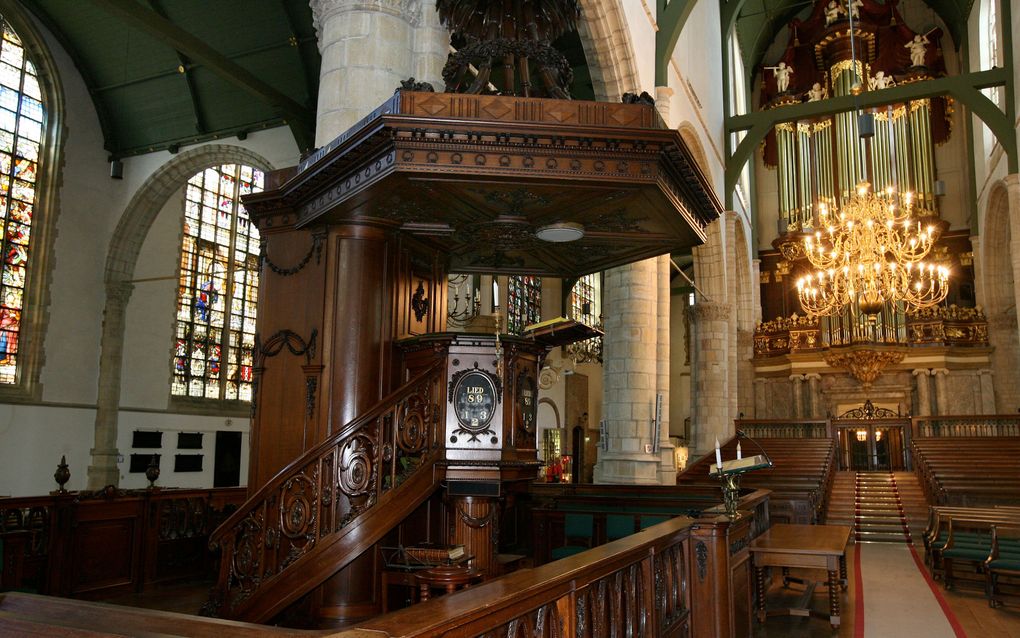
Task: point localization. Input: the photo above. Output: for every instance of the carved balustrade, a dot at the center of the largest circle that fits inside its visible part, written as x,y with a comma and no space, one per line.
945,426
315,501
949,326
58,544
783,428
784,335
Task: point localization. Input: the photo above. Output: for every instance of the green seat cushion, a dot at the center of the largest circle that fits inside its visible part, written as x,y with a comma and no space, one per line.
648,521
579,525
1006,564
618,526
967,553
567,550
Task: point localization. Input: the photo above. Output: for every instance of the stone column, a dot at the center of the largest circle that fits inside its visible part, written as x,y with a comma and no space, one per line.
367,49
797,384
987,405
667,457
923,391
814,395
941,390
710,411
631,365
761,410
104,470
1013,195
663,97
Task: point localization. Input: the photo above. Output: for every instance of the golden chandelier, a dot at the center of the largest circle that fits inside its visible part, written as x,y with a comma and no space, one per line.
869,253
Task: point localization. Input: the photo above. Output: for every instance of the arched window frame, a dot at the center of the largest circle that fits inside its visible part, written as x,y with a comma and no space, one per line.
230,285
524,302
992,53
35,305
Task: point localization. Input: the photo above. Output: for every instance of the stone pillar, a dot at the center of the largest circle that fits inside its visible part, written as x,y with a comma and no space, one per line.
923,391
710,412
761,410
797,384
941,390
814,395
104,470
367,49
631,364
667,457
987,405
1013,196
745,378
663,97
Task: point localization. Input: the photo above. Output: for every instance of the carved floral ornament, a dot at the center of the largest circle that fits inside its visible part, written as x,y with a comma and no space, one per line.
864,364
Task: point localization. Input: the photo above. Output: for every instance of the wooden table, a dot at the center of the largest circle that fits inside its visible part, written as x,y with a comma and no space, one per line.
804,546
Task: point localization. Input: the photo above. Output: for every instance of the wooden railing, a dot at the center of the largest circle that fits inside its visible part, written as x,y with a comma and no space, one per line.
298,529
784,428
60,544
678,578
965,426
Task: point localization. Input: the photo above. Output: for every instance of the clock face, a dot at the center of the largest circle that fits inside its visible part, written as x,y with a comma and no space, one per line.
474,400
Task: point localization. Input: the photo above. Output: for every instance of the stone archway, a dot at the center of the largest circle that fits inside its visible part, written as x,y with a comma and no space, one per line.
689,135
121,260
603,31
999,293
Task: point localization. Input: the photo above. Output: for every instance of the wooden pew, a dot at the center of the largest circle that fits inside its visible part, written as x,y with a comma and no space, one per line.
962,535
799,480
968,471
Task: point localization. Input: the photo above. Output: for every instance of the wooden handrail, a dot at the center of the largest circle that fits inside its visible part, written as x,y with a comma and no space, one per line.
668,580
286,539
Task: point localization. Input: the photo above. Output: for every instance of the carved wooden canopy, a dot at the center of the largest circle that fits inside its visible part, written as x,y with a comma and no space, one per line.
477,175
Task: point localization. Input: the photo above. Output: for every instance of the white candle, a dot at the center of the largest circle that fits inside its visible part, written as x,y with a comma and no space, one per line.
739,456
718,453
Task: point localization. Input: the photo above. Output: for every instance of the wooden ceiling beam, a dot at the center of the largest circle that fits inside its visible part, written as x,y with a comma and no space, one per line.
182,69
300,118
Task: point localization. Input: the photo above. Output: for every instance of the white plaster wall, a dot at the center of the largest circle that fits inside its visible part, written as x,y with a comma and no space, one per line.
33,437
170,425
695,75
640,17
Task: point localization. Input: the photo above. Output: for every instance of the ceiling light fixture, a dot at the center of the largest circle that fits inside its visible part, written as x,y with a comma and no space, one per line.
560,232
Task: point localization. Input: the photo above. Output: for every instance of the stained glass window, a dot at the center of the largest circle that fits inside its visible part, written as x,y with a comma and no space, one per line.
21,125
523,302
219,283
586,307
993,45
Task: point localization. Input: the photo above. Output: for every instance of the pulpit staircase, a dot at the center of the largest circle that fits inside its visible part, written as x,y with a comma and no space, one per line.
331,504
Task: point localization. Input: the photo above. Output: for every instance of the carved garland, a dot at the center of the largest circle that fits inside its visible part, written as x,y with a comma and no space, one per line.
316,249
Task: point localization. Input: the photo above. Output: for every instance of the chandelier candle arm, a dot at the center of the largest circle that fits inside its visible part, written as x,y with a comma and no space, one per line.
870,253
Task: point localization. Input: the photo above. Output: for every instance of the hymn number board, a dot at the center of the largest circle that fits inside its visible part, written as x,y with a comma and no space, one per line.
474,397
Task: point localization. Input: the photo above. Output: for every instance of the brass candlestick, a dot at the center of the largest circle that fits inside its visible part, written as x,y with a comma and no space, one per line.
731,492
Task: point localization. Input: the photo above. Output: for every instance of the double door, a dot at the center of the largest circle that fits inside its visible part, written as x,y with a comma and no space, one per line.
868,446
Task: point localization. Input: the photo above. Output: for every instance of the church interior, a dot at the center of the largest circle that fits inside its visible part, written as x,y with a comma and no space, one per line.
509,318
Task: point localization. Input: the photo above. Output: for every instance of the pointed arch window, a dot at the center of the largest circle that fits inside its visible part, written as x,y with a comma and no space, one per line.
218,287
22,123
523,302
586,307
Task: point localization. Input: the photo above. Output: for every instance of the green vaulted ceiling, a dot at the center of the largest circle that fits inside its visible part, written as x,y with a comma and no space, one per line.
759,21
166,73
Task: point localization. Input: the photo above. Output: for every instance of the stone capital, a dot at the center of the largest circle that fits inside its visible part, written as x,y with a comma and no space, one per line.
921,372
939,371
325,10
796,377
813,376
710,311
